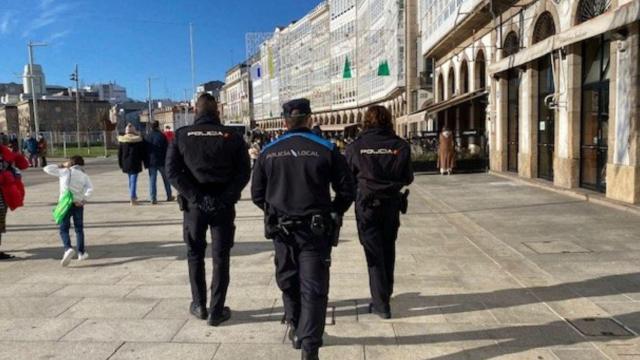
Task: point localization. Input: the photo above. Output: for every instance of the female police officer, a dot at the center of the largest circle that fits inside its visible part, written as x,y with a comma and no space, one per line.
381,163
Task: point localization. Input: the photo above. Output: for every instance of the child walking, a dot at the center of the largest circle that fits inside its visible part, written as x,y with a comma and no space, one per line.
73,178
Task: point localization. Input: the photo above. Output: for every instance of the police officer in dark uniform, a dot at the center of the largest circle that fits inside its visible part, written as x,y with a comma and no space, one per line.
381,163
291,182
209,166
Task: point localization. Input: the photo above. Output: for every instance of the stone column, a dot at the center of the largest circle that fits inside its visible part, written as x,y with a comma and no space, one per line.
499,126
623,167
528,118
568,119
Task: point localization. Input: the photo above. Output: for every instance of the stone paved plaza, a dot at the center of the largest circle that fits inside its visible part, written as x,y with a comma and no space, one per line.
487,268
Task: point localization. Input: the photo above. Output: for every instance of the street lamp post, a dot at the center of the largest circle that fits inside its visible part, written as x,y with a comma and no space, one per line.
76,77
30,46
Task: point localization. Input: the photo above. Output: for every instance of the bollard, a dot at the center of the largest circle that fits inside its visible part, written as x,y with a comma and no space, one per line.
64,145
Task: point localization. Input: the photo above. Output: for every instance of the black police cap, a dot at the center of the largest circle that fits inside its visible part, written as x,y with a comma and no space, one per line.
302,105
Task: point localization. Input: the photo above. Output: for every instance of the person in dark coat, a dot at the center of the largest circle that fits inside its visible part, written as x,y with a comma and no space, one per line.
30,146
157,146
132,156
381,163
208,164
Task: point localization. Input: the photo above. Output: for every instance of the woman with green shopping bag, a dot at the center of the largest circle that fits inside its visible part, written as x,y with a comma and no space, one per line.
75,189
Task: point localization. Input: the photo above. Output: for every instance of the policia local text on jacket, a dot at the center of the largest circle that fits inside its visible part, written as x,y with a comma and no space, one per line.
292,179
381,163
209,166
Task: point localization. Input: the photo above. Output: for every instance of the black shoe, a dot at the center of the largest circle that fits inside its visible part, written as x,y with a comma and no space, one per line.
171,198
310,355
199,311
217,320
381,314
5,256
295,342
154,202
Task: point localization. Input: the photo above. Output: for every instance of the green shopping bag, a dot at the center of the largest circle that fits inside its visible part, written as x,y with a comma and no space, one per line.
62,209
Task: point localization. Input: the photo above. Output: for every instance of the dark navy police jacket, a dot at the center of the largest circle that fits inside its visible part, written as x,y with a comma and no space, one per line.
381,162
294,175
208,158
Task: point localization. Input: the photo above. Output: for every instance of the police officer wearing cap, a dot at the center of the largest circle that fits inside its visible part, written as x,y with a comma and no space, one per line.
381,164
291,182
209,166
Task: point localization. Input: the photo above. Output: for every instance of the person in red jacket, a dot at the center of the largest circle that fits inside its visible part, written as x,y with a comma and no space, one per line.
11,187
169,134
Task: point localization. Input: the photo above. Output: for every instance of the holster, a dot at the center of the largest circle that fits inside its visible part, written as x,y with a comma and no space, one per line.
404,201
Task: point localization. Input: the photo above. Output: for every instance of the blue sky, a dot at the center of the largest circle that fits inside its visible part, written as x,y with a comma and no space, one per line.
128,41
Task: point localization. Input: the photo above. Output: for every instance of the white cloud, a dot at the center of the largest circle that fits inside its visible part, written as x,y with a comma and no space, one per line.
50,14
58,35
6,23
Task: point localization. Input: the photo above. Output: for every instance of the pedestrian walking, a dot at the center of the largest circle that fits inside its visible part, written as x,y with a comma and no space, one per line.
291,182
11,187
254,152
132,156
30,147
381,163
157,146
74,179
446,152
42,150
209,166
169,134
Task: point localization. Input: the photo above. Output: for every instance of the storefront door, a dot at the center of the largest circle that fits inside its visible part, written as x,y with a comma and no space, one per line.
546,120
513,91
594,130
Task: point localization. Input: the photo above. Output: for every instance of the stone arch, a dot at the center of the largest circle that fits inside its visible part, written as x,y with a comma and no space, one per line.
338,119
352,118
585,10
464,77
545,26
332,120
359,118
511,44
480,70
451,83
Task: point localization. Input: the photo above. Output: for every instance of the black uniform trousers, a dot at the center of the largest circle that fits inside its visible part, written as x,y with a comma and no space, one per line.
378,229
222,229
302,262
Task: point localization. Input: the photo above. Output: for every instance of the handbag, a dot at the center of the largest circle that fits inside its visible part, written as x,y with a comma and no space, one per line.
65,203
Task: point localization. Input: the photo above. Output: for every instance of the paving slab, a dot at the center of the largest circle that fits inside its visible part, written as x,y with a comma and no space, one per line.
167,351
110,308
36,329
103,330
468,284
197,331
51,350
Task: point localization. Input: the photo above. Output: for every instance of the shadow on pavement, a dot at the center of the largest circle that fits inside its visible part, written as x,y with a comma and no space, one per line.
139,251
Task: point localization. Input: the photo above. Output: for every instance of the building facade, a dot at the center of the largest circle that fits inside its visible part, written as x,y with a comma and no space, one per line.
111,92
547,90
59,116
173,116
237,101
566,95
344,56
9,119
